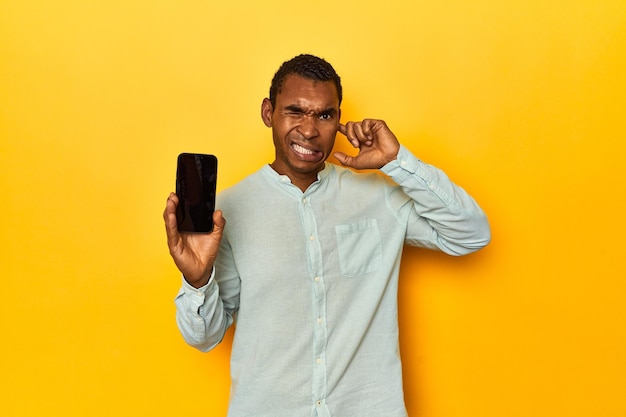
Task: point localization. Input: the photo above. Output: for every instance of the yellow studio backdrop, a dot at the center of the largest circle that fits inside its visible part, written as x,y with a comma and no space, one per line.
520,102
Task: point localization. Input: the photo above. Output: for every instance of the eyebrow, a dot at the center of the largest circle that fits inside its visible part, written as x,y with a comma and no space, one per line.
294,108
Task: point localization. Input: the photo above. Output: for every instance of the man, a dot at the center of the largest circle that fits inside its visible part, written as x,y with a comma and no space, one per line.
308,264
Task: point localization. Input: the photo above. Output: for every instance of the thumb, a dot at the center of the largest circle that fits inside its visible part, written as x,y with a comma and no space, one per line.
345,160
218,222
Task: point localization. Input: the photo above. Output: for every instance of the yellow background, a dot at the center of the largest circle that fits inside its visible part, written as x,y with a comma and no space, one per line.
521,102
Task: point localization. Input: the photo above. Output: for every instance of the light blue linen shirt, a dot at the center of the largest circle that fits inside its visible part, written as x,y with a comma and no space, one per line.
311,279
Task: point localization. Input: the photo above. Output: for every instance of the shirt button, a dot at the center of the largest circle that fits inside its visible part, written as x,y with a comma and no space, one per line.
319,320
318,403
311,238
304,200
317,279
318,360
403,163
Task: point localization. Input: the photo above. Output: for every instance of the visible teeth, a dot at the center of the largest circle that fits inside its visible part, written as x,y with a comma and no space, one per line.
301,149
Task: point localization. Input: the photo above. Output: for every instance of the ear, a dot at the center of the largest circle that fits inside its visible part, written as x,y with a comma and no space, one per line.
266,112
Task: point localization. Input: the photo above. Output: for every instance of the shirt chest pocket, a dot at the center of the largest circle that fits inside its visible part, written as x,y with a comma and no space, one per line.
359,247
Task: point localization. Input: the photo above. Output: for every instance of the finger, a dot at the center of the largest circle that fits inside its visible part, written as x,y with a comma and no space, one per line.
369,130
348,131
367,127
362,133
170,207
357,130
169,216
342,129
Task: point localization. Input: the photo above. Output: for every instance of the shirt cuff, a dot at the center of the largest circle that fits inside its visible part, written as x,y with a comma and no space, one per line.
404,165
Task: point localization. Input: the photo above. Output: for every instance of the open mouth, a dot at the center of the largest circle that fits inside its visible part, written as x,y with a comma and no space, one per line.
306,154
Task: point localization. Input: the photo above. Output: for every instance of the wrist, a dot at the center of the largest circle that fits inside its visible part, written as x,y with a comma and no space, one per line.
200,282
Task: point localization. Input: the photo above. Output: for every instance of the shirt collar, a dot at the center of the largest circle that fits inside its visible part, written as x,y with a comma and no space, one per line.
285,180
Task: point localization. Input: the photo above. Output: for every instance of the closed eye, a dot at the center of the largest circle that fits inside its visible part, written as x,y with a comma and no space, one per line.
294,111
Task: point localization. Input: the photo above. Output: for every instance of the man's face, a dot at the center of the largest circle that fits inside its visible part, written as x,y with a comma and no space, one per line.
304,123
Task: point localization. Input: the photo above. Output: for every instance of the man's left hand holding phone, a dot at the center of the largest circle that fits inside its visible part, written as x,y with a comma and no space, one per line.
194,228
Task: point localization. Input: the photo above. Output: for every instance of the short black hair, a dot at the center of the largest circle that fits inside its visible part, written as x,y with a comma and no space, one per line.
306,66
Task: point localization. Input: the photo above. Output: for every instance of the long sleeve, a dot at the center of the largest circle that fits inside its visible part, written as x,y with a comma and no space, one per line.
442,215
204,314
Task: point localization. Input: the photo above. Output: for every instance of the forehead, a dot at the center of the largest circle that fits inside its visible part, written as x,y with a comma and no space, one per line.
296,89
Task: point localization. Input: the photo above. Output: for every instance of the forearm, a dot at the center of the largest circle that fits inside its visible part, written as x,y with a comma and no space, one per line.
457,224
201,316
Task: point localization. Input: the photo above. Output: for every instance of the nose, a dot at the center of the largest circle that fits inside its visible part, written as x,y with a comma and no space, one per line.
308,127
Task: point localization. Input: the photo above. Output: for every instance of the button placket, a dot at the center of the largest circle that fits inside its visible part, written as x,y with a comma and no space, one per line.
318,298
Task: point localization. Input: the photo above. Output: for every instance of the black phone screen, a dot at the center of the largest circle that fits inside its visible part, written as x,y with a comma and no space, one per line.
196,180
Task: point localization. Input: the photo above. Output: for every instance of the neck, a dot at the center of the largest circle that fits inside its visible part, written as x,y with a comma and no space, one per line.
300,180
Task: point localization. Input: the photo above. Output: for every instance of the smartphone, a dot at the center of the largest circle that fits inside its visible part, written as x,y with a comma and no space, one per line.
196,181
